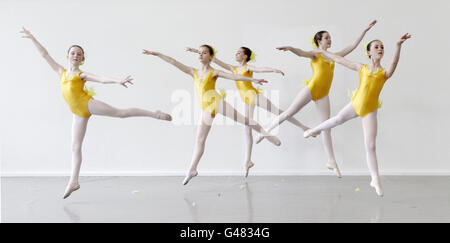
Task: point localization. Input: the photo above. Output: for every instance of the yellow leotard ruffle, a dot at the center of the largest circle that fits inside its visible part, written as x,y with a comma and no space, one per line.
74,94
365,99
246,89
207,95
320,83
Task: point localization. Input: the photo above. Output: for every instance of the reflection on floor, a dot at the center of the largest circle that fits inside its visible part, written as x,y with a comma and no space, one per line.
259,199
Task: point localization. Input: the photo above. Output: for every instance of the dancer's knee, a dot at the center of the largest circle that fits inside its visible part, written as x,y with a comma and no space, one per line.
371,146
76,147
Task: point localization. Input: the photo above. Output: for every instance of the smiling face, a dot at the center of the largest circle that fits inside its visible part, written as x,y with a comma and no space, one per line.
325,41
75,55
376,49
205,56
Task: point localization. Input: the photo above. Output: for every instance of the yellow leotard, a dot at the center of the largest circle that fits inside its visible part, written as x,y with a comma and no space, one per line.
365,99
74,94
320,83
206,92
246,89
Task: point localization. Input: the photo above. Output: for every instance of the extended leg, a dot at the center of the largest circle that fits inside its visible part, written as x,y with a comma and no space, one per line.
344,115
79,125
202,134
323,109
249,109
97,107
303,98
228,111
370,134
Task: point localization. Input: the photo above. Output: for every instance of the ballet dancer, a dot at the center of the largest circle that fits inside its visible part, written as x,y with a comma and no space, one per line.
317,88
364,103
211,101
81,102
250,95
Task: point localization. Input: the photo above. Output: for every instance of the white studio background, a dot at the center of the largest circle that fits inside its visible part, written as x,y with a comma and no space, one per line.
35,123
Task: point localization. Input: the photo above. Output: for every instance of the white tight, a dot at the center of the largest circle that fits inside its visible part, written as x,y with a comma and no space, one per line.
323,110
79,126
205,126
370,133
262,102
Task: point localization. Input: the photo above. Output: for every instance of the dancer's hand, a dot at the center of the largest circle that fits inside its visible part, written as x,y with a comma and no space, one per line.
154,53
371,25
284,48
279,71
403,39
125,81
260,81
27,33
192,50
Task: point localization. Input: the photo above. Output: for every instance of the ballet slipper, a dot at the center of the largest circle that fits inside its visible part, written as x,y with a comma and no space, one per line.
163,116
247,168
274,140
70,189
189,177
335,169
308,133
259,138
377,186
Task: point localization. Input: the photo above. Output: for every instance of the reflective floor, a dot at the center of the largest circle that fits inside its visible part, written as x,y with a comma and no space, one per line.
259,199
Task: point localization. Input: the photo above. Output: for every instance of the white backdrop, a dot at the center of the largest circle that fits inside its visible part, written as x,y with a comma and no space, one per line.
36,123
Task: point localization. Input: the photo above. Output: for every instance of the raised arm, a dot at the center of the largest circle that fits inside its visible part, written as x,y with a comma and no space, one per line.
264,70
390,70
233,77
179,65
106,80
352,47
339,59
297,51
55,66
215,60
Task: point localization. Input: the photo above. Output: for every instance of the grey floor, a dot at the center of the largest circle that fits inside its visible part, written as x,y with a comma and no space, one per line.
259,199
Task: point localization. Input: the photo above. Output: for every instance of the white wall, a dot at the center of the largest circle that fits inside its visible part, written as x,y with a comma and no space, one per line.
35,121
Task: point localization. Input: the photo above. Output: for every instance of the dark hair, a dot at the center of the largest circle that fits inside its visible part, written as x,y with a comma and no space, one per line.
75,46
318,36
369,45
247,52
210,49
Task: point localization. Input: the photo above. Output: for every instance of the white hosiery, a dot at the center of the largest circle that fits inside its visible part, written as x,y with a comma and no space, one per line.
370,133
207,119
302,98
79,125
344,115
202,133
263,102
323,110
249,110
97,107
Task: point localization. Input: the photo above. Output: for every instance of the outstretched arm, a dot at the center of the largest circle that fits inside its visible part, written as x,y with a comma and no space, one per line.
179,65
352,65
264,70
215,60
55,66
352,47
390,70
105,80
231,76
297,51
